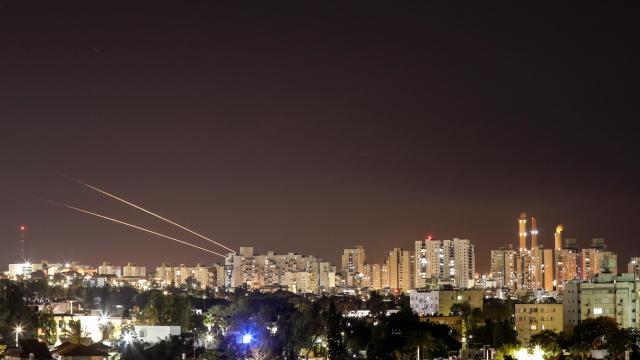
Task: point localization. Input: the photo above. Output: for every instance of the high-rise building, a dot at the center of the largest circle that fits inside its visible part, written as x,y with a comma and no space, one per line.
567,268
590,263
353,260
428,262
400,266
324,278
440,262
378,276
568,262
597,259
503,267
461,261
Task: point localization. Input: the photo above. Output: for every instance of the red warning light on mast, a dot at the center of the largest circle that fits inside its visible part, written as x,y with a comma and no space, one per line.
23,228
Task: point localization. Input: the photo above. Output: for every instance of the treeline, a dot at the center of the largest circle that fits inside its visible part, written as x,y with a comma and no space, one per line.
281,324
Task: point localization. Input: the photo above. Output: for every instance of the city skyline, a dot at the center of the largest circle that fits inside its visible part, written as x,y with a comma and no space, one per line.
592,245
25,241
310,129
328,180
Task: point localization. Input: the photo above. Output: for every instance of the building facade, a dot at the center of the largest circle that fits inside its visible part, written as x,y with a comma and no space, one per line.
444,262
400,268
258,271
429,303
633,267
615,296
503,267
133,270
533,318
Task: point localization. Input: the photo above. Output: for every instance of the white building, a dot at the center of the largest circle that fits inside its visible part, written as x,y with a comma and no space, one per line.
204,276
132,270
268,270
427,303
424,303
153,334
22,269
609,295
109,269
300,282
428,262
439,262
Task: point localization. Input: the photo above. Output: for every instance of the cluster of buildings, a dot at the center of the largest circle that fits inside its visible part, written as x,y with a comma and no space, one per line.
605,294
532,267
567,283
117,275
431,264
578,283
272,271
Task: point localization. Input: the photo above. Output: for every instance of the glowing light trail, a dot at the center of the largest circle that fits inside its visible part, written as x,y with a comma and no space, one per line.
127,224
147,211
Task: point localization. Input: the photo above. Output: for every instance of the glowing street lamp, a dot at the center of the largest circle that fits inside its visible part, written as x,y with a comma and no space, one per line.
18,331
207,341
246,340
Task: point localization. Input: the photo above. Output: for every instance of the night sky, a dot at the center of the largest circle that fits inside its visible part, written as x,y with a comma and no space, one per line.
302,128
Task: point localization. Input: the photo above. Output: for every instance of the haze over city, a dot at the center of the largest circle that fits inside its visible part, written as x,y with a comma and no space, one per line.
319,181
311,129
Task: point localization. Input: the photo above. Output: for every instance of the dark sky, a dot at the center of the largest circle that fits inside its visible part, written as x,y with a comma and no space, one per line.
308,129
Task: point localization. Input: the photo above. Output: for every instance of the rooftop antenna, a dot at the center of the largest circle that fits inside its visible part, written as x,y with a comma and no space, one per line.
23,232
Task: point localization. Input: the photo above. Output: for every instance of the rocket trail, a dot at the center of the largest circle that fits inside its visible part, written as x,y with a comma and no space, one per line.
147,211
127,224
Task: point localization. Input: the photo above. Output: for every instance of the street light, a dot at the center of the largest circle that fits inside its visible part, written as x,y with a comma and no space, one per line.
207,341
18,332
247,338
